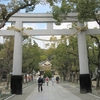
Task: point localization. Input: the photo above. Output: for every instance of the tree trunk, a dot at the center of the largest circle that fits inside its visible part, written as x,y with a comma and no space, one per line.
97,81
64,76
0,76
8,80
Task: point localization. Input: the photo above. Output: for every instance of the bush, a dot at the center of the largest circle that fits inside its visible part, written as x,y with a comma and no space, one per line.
48,73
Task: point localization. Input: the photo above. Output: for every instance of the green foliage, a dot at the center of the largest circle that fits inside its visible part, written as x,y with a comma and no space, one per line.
74,68
93,51
48,73
13,6
52,2
86,9
50,53
6,53
29,5
31,57
61,57
60,13
1,46
65,56
3,11
57,14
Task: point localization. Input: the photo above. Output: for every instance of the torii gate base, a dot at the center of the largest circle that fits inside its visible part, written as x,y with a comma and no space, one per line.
84,78
16,79
16,84
85,83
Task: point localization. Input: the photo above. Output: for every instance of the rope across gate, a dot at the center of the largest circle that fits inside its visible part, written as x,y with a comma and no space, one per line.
78,30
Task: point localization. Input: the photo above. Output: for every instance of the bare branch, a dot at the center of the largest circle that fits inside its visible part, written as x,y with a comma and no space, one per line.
6,18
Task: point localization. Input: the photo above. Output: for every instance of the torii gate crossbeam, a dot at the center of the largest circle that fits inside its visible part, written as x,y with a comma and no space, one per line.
49,32
19,19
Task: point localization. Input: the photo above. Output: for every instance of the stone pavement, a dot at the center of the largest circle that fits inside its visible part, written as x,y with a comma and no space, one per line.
62,91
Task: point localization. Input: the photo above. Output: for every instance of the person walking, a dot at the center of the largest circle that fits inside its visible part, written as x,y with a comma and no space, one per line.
53,80
57,79
40,82
47,80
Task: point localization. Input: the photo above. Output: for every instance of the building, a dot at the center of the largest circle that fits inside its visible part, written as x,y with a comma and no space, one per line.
45,65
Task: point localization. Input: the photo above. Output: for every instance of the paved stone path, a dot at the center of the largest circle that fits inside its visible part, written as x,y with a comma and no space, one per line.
63,91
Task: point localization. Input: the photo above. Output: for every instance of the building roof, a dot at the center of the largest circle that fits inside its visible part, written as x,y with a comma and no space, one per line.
45,63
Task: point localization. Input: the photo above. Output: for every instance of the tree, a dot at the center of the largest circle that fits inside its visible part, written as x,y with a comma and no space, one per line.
1,61
7,53
7,10
94,55
6,60
61,60
13,6
65,57
86,9
43,55
48,74
31,57
92,50
72,49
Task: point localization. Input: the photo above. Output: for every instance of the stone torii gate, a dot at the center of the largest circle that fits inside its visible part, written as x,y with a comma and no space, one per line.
19,19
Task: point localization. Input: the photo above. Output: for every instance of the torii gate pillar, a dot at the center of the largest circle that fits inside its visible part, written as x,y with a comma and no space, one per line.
16,79
85,79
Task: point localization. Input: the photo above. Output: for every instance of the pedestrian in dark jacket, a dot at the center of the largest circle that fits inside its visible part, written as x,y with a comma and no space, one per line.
40,82
57,79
